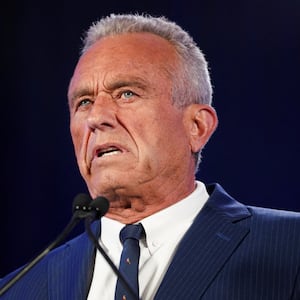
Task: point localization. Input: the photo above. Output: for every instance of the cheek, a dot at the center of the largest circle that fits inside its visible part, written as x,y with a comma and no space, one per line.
163,138
77,137
174,139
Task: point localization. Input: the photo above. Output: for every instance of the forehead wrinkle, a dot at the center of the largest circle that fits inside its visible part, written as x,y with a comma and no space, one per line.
122,81
83,88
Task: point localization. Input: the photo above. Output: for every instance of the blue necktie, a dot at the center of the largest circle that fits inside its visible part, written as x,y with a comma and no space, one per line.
129,262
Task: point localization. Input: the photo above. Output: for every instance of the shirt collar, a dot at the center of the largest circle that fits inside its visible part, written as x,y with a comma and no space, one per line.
173,221
170,222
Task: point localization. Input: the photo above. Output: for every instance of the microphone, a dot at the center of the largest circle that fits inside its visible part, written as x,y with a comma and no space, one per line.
80,211
99,207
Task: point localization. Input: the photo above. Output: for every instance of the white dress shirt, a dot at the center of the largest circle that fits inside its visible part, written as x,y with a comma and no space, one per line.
164,230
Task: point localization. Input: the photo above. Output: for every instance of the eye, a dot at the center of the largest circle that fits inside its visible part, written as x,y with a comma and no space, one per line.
83,102
127,95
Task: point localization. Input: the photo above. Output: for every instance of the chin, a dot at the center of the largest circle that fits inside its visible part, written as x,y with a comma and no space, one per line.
103,187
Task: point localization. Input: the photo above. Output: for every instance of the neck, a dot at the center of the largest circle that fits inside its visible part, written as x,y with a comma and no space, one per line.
131,209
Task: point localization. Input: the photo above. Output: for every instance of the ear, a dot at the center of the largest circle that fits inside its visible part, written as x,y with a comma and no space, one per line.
201,121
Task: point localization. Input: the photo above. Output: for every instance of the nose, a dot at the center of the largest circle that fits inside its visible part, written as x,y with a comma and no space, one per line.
102,114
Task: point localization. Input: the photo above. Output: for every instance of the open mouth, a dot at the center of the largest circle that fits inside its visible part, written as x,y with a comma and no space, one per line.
108,151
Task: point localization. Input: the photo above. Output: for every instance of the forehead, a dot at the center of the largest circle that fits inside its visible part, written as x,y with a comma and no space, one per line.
141,46
138,54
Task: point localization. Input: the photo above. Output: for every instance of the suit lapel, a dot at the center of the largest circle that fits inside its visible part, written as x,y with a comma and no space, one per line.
208,244
71,267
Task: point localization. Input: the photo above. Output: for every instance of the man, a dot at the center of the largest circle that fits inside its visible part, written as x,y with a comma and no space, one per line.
140,115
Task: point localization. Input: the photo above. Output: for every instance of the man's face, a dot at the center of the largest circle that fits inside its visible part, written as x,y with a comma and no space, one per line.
127,135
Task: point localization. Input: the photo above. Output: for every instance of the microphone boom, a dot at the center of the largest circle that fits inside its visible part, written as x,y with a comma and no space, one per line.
80,206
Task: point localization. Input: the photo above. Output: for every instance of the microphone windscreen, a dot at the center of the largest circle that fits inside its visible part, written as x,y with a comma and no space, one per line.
81,202
100,205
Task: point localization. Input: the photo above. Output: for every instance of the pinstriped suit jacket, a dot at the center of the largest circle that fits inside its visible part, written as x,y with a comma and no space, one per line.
231,252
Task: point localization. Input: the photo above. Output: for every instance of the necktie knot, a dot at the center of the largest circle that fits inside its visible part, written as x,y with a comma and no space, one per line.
131,231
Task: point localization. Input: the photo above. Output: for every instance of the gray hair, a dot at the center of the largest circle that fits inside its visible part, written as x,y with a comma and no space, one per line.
192,81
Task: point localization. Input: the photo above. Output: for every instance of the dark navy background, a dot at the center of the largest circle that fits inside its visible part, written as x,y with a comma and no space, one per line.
253,49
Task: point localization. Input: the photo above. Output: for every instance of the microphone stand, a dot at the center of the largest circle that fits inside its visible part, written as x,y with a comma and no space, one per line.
77,216
80,206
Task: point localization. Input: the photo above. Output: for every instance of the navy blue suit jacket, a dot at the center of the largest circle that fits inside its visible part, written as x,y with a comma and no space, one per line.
231,252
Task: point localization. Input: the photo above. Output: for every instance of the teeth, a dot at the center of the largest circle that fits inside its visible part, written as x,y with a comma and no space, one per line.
110,151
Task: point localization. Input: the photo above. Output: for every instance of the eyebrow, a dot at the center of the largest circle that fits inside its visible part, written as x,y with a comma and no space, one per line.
119,83
78,93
